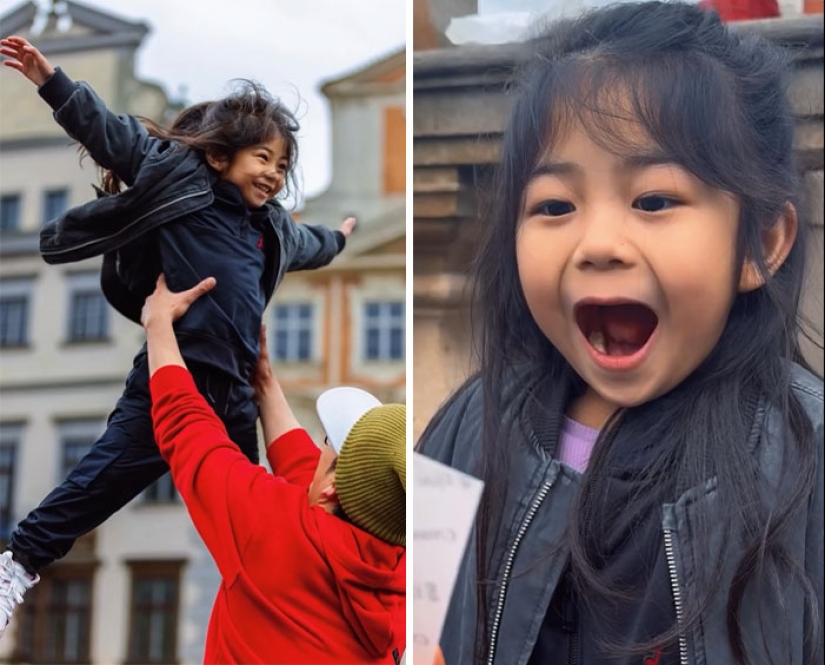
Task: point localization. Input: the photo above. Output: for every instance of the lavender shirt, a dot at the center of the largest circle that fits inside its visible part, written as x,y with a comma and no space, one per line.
576,443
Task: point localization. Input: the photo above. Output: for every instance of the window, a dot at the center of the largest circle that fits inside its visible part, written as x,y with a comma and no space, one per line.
55,202
153,629
14,312
9,441
161,491
76,439
88,312
293,332
14,318
384,331
9,213
55,620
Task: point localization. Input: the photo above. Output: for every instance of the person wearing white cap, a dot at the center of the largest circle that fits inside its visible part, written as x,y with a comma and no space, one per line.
369,475
312,556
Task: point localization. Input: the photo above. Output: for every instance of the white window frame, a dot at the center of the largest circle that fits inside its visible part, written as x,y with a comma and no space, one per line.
11,436
385,322
373,288
19,221
85,284
14,288
293,327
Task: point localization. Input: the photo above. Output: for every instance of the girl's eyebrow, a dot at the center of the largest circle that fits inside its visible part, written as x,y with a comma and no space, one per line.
637,162
271,152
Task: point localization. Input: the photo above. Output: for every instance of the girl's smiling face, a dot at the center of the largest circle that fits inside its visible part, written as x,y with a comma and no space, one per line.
629,267
259,171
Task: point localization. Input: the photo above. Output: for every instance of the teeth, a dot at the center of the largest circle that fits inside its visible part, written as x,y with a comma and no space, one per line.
596,340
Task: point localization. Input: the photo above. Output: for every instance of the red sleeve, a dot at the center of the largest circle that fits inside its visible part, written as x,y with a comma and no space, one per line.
294,456
224,492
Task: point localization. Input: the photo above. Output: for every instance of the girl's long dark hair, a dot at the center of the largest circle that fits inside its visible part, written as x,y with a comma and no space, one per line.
716,102
247,117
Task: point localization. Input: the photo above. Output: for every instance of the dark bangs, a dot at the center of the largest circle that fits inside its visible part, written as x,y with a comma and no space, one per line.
687,109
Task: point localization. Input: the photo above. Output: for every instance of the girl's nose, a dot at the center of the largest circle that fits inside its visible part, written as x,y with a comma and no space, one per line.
604,242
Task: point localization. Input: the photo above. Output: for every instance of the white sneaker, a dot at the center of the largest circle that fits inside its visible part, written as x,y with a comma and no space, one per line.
14,582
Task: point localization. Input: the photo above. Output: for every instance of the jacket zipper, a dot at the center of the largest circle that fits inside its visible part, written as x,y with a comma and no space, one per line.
573,654
571,627
508,567
75,248
677,594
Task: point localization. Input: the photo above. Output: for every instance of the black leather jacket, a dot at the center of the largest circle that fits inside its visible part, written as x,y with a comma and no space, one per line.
536,511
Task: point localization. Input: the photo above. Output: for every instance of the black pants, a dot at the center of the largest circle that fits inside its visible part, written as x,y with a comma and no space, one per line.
123,462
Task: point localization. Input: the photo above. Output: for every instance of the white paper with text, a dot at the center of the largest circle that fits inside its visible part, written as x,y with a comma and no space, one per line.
444,509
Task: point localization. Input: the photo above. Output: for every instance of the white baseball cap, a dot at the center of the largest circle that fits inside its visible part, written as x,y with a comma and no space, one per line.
340,408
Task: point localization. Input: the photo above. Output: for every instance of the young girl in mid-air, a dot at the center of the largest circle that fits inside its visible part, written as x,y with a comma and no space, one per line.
650,436
199,201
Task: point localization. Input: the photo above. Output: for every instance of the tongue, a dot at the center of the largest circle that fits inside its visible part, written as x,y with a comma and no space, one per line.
625,331
626,328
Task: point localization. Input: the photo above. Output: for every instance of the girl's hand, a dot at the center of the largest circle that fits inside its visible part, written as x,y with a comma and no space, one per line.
263,379
347,226
26,59
165,307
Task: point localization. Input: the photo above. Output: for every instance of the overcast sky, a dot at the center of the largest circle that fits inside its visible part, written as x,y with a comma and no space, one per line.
290,46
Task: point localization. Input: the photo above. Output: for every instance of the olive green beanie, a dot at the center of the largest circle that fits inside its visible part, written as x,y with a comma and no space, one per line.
370,474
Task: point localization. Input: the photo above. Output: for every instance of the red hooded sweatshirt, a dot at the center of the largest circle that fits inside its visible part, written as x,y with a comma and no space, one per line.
298,585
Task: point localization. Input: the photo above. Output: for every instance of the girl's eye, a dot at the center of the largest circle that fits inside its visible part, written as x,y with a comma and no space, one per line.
263,157
553,208
655,203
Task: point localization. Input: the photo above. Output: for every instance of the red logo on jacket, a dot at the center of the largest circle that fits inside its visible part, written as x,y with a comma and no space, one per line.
261,243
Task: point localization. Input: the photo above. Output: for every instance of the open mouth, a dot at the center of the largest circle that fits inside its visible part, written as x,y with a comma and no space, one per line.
266,191
617,330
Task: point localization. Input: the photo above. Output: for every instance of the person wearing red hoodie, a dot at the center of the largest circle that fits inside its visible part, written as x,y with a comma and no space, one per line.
304,577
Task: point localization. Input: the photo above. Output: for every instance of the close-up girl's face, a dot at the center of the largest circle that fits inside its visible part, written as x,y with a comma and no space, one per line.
628,266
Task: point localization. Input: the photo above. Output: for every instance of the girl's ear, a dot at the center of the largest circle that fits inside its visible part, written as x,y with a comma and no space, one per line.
219,163
776,245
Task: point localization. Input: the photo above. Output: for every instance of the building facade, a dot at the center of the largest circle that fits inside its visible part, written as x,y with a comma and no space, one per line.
140,587
345,324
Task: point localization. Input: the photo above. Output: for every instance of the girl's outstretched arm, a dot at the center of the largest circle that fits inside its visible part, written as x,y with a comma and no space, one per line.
314,246
26,59
119,143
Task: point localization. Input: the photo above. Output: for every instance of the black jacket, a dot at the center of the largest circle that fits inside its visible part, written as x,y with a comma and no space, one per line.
529,570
